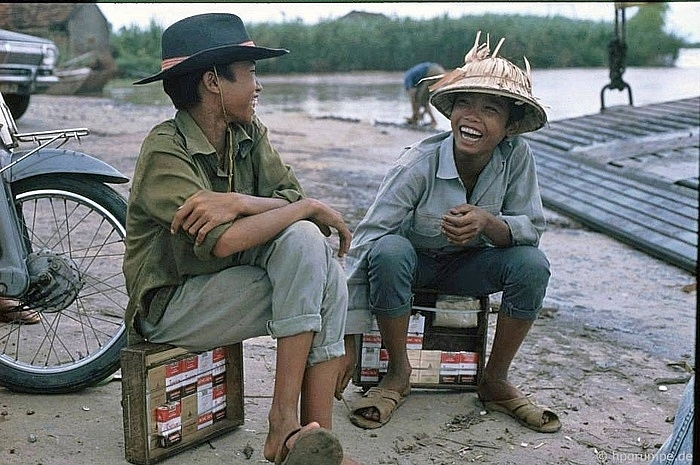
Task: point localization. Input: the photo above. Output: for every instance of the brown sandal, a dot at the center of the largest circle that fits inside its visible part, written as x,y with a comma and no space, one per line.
317,446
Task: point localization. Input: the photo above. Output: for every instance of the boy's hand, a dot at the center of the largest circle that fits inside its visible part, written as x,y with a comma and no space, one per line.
204,211
347,366
464,222
325,218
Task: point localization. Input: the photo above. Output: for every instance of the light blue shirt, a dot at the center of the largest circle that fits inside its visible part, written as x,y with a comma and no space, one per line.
423,185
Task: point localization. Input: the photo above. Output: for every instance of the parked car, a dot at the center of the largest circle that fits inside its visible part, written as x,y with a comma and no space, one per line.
26,67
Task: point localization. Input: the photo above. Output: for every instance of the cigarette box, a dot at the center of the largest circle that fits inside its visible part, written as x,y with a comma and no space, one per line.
149,373
452,326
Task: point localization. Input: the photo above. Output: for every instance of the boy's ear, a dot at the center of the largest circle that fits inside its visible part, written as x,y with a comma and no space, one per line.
210,81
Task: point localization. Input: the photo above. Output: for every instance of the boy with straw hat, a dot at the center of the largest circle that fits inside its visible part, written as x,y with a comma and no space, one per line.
222,245
460,212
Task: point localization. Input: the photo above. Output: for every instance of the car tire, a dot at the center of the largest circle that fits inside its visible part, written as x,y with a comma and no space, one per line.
18,104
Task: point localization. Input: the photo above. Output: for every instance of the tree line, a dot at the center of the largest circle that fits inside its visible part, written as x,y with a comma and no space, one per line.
371,42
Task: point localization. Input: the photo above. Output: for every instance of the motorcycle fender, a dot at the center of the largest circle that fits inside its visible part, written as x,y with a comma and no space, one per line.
58,161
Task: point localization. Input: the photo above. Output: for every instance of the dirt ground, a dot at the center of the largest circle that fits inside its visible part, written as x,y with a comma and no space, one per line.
609,353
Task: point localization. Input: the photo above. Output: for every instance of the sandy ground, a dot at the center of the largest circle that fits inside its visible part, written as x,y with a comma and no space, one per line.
608,352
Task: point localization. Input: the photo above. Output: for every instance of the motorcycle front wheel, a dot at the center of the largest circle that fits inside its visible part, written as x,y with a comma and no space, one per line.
83,220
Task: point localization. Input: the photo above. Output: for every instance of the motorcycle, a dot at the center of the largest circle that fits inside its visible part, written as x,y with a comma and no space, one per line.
62,230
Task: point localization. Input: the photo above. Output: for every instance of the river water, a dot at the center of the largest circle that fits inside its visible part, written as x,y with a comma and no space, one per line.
380,97
566,93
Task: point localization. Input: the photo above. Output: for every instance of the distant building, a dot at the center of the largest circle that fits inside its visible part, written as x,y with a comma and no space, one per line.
356,15
80,31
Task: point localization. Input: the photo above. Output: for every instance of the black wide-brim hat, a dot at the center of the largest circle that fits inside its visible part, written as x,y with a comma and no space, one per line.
201,41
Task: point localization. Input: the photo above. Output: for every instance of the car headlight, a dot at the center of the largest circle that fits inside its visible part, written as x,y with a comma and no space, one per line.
50,55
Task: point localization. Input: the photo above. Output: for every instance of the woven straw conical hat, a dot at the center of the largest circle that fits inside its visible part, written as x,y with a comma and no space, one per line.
488,73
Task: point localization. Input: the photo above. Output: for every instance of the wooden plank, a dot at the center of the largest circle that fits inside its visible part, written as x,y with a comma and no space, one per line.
614,209
595,128
673,119
624,124
677,110
657,193
603,182
654,244
603,153
586,134
626,195
550,139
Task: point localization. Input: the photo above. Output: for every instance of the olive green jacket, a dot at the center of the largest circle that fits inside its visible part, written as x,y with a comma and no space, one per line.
176,161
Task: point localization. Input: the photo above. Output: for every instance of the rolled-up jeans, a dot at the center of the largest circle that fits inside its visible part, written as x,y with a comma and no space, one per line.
285,287
396,268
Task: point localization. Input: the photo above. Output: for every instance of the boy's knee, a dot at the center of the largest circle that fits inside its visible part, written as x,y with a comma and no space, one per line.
531,265
392,248
303,236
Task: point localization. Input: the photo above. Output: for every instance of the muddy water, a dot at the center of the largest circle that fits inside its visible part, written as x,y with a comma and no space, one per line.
379,96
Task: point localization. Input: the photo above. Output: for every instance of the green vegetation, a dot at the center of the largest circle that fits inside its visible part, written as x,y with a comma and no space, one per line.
365,42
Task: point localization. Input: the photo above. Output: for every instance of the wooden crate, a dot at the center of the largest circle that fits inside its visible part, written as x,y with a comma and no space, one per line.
441,345
143,389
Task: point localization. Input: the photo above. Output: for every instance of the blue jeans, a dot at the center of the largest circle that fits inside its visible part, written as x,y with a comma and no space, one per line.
395,268
678,448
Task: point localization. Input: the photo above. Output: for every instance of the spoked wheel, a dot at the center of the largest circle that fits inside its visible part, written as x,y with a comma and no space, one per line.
77,225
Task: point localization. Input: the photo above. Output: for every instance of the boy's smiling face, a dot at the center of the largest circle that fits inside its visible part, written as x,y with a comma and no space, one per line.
240,96
479,123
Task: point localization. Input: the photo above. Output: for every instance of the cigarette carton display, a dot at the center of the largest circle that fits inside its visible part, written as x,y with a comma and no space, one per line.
219,413
189,406
383,361
204,362
449,367
369,375
218,375
156,379
218,357
174,400
168,417
218,396
204,382
416,324
204,400
205,419
170,438
469,362
373,339
189,387
370,357
446,343
429,368
190,367
173,373
414,341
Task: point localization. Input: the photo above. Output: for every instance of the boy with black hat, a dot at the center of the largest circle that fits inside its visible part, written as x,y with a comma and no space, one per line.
222,244
461,213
